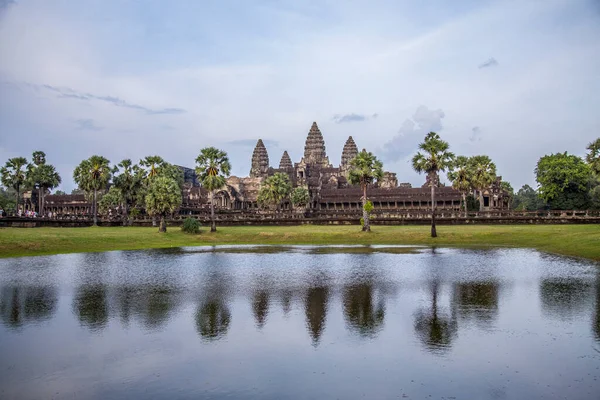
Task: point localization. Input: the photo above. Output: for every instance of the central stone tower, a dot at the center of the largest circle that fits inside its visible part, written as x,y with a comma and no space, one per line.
260,161
314,148
348,153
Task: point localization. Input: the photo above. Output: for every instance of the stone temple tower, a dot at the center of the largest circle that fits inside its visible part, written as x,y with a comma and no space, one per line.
286,161
260,161
348,153
314,148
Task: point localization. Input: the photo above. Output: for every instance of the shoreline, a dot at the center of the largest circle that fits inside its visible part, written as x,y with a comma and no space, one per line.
580,241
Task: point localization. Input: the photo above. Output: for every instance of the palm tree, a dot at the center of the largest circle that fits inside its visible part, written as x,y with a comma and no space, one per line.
483,174
593,155
274,190
461,178
435,159
152,165
163,197
91,175
129,182
212,167
365,169
14,175
45,177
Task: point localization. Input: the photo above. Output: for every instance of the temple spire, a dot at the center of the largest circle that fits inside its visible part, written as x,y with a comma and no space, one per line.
348,153
314,148
260,160
286,161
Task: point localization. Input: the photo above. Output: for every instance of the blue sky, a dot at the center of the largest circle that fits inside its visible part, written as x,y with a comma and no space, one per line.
125,79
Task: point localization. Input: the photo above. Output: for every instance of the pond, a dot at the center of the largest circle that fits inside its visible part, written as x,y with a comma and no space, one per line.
300,322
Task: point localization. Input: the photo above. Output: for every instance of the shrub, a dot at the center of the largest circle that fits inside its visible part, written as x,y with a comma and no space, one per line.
191,225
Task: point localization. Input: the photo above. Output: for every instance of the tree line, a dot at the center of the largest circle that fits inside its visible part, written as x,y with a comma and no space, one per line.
565,181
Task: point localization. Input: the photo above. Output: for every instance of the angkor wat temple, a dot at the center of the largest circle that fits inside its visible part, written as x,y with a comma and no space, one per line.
328,186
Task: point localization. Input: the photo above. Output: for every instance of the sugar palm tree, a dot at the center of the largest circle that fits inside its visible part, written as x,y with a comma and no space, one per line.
593,156
365,169
152,165
163,197
45,177
434,159
483,174
129,182
461,178
92,175
14,176
274,190
213,168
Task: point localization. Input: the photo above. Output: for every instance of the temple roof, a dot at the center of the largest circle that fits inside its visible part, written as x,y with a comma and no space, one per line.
260,160
314,148
349,152
286,161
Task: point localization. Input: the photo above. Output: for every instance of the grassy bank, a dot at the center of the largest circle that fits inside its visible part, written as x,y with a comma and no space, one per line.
571,240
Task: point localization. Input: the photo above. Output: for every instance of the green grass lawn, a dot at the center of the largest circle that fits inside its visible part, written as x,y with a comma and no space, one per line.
571,240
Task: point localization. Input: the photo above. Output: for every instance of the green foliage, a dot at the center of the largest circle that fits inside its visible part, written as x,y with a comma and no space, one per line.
460,175
274,190
527,199
435,156
129,179
13,175
213,168
191,225
368,207
362,221
300,196
482,171
7,199
60,193
472,203
163,196
92,174
593,156
111,200
507,187
365,169
563,181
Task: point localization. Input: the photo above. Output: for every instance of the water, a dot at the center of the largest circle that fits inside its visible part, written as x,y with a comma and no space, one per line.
300,323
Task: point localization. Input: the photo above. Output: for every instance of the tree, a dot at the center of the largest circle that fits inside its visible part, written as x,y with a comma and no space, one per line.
483,174
129,181
593,156
527,199
460,176
92,175
42,176
163,197
111,199
14,176
212,167
507,187
274,190
60,193
563,181
300,196
365,170
435,158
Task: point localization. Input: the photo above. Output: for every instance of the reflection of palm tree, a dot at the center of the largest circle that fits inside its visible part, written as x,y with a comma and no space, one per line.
435,330
212,320
260,307
20,305
91,306
161,301
478,300
596,320
362,315
286,301
564,298
316,310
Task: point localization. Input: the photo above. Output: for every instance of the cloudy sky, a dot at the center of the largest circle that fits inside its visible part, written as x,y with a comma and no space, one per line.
125,79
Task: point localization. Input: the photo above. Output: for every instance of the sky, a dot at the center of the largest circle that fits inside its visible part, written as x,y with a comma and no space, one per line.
128,78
